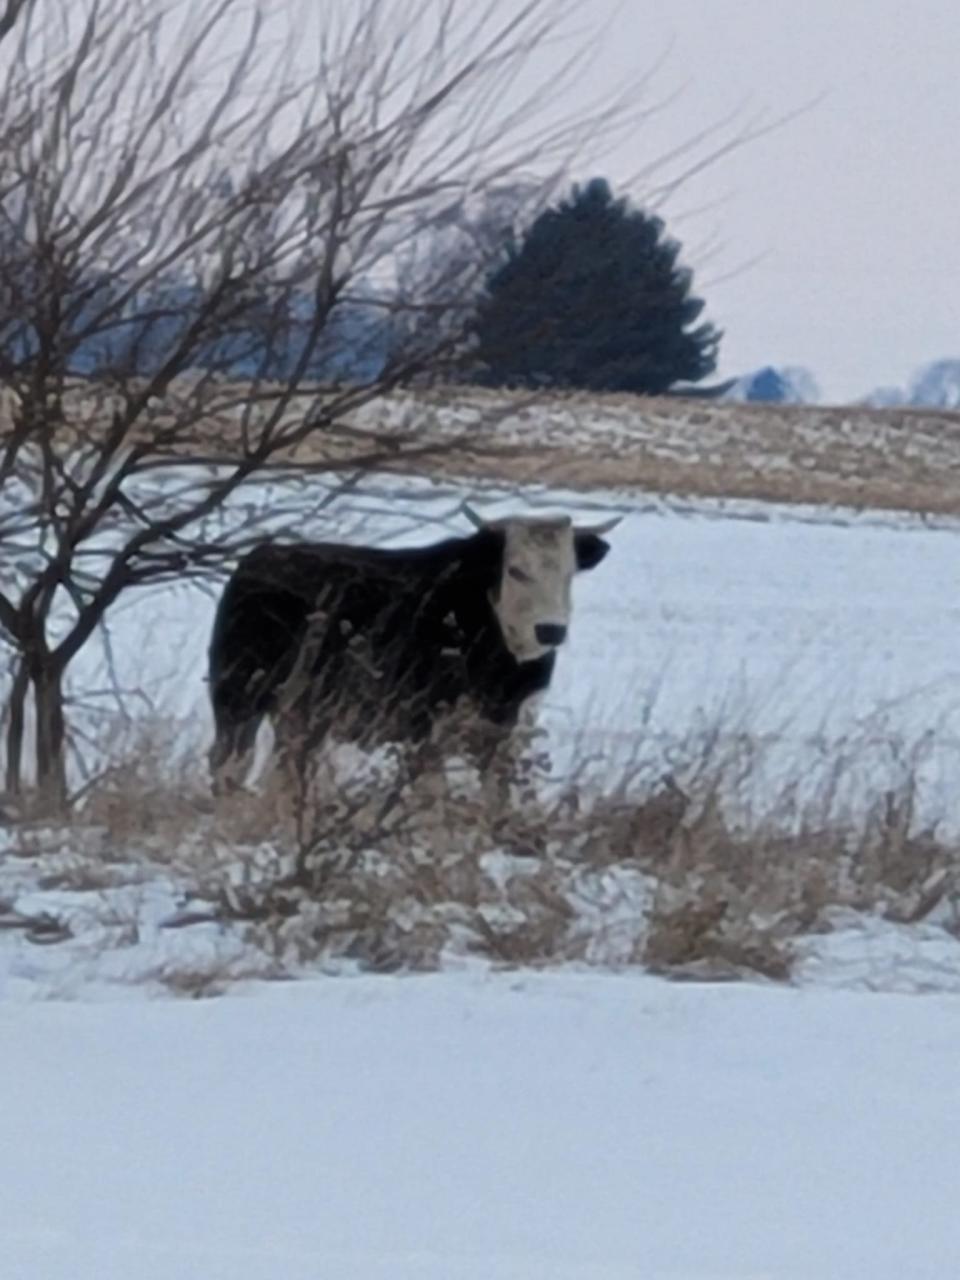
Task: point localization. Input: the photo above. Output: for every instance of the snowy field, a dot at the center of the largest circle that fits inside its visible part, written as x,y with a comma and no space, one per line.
814,649
464,1127
816,635
483,1125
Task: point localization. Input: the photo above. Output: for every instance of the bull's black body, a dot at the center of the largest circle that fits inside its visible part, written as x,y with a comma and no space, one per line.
395,637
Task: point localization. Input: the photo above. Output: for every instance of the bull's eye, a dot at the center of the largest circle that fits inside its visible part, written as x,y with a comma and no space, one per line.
518,574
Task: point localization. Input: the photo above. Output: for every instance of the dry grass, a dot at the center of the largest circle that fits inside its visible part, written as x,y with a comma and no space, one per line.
150,795
856,457
393,870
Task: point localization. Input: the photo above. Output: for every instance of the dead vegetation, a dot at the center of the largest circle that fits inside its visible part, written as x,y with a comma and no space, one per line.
855,457
373,867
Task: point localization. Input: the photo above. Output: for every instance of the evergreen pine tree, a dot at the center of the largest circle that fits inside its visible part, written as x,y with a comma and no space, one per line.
593,296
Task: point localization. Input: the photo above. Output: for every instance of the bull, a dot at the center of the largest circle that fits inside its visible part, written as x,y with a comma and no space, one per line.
374,645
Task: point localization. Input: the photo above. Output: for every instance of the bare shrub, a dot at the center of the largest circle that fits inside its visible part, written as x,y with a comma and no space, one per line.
150,792
400,860
392,871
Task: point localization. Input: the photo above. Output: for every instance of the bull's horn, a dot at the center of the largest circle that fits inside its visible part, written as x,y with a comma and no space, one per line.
602,528
472,516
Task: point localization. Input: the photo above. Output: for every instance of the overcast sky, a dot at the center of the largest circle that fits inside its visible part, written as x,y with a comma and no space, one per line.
853,208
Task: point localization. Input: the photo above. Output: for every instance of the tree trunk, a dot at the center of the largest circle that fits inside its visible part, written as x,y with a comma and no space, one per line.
51,737
15,725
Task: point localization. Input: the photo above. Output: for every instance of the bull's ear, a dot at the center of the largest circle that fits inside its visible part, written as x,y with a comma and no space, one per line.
589,549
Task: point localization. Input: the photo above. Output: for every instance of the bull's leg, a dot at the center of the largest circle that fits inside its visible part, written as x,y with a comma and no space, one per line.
497,761
291,748
232,751
288,780
506,755
423,770
296,714
492,748
487,746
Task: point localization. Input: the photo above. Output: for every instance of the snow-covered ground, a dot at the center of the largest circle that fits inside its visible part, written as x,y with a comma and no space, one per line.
483,1127
475,1125
816,635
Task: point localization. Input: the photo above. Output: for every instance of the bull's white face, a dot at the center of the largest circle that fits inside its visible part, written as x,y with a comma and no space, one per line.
533,600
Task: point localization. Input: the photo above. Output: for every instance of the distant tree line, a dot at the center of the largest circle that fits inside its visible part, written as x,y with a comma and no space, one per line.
590,295
934,386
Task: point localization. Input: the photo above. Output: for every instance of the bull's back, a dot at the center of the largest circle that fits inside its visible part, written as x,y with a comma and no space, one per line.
344,596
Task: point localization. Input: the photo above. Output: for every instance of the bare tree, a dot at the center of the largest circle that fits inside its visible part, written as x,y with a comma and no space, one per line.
189,203
11,12
205,207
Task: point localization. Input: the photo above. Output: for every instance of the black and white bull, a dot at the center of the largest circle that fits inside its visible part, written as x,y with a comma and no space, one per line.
371,645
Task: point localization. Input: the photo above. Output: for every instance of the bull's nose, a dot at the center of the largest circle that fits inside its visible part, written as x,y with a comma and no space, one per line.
550,633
